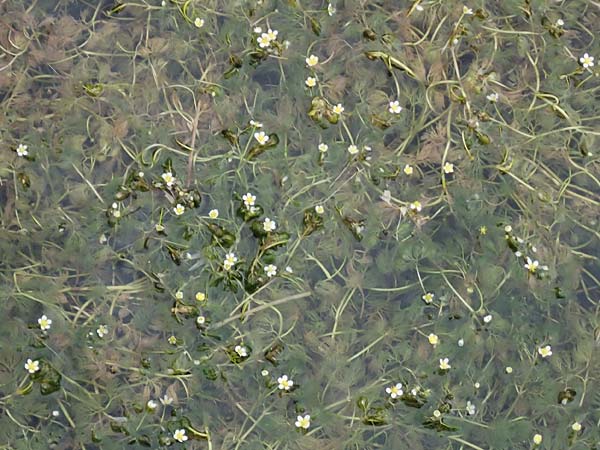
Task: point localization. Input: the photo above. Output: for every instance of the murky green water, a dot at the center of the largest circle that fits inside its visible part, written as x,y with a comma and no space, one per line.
219,217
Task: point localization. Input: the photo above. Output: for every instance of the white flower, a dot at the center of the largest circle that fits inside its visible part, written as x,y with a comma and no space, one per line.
261,137
179,295
576,426
394,107
151,405
493,97
461,342
319,209
433,339
330,9
256,124
487,318
166,400
271,270
303,422
395,391
509,370
230,260
272,34
507,229
213,213
288,269
311,82
284,383
44,323
467,11
55,413
116,213
531,265
102,331
437,414
323,147
241,351
470,408
32,366
22,150
264,372
448,168
545,351
269,225
338,109
416,206
408,170
168,178
560,22
159,227
198,22
201,320
249,199
312,61
257,30
352,149
587,61
537,439
263,41
444,364
428,297
179,209
180,436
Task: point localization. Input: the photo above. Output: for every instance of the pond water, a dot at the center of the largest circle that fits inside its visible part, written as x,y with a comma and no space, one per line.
364,224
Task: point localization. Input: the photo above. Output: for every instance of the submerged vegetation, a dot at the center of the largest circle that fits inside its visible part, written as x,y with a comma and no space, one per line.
299,224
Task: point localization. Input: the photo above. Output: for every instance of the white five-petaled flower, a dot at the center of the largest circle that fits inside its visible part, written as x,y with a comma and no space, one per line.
22,150
180,435
263,40
470,408
151,405
545,351
230,260
323,147
467,11
587,61
166,400
257,30
310,82
199,22
213,213
532,266
394,107
44,323
493,97
312,61
249,199
256,124
352,149
408,170
241,351
179,209
338,109
487,318
284,383
537,439
576,426
330,9
444,364
416,206
560,22
32,366
395,391
201,320
271,270
319,209
428,297
261,137
168,178
102,331
433,339
269,225
272,34
303,422
448,168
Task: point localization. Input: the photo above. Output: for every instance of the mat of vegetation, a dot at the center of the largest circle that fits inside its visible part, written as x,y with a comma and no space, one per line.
295,224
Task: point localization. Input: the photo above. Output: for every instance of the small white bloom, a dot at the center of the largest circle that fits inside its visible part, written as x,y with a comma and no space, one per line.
395,391
256,124
537,439
444,364
467,11
249,199
102,331
180,435
470,408
179,209
32,366
507,229
352,149
22,150
264,372
576,426
493,97
44,323
437,414
284,383
408,170
532,266
310,82
166,400
416,206
587,61
330,9
271,270
269,225
201,320
151,405
560,23
448,168
230,260
509,370
198,22
213,213
257,30
263,41
168,178
303,422
241,351
323,147
338,109
319,209
487,318
545,351
261,137
461,342
55,413
428,297
394,107
288,269
312,61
